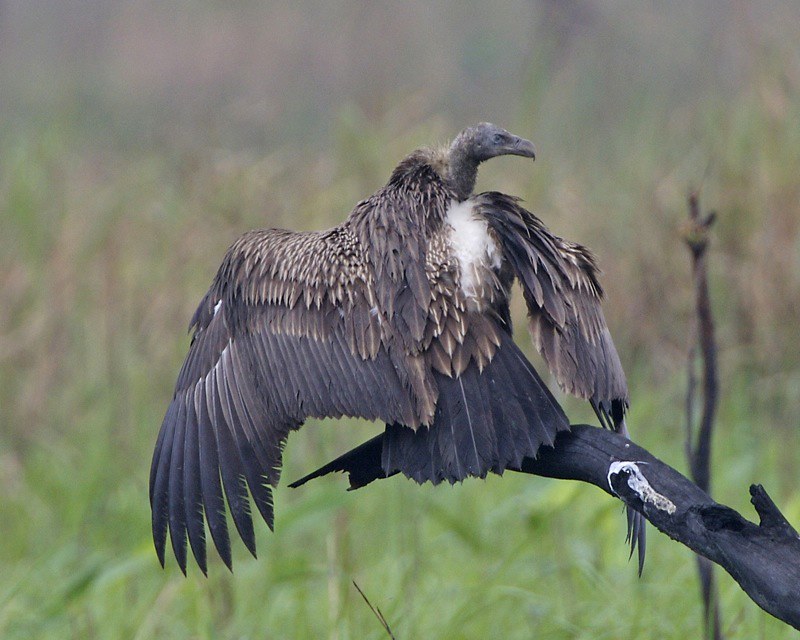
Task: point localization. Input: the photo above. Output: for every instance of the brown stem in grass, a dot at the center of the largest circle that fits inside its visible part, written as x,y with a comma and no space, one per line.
698,450
375,611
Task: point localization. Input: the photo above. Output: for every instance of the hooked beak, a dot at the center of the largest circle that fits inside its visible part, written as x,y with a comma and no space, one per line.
521,147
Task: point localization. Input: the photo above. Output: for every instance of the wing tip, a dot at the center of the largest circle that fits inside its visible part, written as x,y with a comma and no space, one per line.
227,557
200,557
161,556
636,536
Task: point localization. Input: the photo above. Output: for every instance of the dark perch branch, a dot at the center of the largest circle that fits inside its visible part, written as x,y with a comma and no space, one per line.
764,559
699,451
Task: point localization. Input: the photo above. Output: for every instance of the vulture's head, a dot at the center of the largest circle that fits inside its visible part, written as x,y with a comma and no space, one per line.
487,140
478,144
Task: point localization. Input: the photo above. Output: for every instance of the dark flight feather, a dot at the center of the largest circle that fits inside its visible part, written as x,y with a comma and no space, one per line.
193,490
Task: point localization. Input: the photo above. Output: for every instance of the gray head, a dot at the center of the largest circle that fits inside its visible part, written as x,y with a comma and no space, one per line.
487,140
478,144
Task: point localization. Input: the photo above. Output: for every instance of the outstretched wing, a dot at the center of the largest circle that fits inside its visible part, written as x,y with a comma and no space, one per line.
278,338
559,281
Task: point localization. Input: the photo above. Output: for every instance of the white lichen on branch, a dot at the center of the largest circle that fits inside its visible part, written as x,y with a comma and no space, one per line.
639,484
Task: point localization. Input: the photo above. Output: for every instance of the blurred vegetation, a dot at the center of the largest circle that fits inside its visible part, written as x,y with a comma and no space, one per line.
137,140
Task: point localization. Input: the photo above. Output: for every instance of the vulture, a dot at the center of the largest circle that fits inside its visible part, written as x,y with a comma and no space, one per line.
400,314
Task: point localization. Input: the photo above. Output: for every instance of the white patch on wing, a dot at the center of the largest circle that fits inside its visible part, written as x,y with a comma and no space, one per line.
472,245
217,306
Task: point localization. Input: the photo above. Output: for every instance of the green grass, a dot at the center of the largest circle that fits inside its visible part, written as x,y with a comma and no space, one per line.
99,286
106,248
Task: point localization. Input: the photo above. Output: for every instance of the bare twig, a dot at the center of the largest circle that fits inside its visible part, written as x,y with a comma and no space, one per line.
696,238
376,611
698,449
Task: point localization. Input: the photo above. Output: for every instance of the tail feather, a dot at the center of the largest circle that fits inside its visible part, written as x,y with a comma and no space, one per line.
463,433
523,431
637,535
485,421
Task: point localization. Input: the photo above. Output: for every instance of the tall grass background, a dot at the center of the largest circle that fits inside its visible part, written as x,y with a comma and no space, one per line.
137,140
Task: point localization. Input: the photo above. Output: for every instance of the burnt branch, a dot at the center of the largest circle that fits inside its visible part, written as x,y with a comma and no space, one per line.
763,558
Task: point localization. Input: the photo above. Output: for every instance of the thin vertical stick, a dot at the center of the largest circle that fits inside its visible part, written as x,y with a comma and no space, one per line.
698,449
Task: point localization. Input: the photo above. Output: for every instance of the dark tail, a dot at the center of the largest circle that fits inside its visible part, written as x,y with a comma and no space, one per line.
485,421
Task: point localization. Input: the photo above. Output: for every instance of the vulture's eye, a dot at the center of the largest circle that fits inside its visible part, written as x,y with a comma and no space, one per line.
498,138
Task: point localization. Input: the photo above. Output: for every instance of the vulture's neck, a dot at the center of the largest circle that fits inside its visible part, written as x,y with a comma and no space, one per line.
462,170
